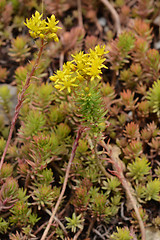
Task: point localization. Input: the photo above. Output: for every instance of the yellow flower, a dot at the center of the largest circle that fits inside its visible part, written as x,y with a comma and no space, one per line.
94,71
83,67
41,28
80,60
98,51
95,63
67,83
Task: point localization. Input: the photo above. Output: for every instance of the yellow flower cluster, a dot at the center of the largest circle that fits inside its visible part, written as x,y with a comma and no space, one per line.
41,28
83,67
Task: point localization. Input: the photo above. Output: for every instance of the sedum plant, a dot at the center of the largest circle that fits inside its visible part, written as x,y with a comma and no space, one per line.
119,50
153,97
3,74
11,196
139,168
75,222
4,226
80,78
19,49
5,98
153,190
121,234
46,30
47,175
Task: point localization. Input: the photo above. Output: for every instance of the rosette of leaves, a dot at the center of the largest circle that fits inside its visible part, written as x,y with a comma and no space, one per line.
101,206
75,222
153,97
44,195
34,123
8,193
3,225
3,74
121,234
139,168
119,50
5,98
19,49
21,213
6,170
153,190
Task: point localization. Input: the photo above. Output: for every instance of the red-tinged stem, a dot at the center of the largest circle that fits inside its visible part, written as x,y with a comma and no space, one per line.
75,145
21,99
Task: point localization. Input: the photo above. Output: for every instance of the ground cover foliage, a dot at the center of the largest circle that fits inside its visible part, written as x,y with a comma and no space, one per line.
83,160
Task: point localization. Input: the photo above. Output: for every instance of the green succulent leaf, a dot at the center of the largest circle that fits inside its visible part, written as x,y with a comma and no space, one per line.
75,222
153,190
121,234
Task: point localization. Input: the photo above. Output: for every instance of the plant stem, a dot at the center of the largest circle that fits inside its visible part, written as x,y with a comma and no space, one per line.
58,221
40,228
99,234
98,161
117,165
114,15
78,233
92,222
75,145
21,98
80,19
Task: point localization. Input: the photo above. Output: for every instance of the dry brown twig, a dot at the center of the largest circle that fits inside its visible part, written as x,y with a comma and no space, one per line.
118,165
56,219
114,15
75,145
80,19
78,233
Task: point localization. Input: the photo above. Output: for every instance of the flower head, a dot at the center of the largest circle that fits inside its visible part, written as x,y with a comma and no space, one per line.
41,28
67,83
64,79
84,67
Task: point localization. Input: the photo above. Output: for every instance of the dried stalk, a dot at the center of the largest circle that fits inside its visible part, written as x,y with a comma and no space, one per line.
21,99
118,171
75,145
78,233
98,160
114,15
92,222
98,233
57,221
80,19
